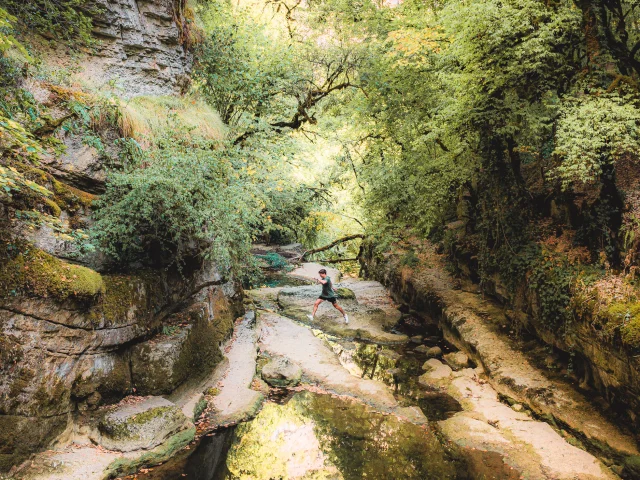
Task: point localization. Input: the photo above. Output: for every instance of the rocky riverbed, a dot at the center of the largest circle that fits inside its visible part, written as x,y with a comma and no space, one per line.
296,399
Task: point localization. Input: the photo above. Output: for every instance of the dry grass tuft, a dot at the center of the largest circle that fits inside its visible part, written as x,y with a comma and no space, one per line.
146,118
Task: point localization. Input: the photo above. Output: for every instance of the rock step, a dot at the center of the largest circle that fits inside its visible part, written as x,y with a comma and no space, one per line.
472,323
532,447
139,426
320,366
232,400
371,311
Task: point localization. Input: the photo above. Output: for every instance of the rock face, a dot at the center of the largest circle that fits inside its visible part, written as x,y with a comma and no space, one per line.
160,365
473,324
143,425
60,357
281,372
139,48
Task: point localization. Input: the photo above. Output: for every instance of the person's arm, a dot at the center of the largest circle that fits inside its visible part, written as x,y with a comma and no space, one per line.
319,280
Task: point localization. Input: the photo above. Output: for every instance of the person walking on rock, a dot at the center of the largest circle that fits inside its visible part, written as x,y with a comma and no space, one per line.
328,294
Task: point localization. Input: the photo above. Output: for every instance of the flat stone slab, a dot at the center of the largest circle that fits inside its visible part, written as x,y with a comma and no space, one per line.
530,446
367,321
320,365
470,323
234,400
140,426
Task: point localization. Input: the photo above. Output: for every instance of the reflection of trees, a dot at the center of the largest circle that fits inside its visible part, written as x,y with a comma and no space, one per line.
365,444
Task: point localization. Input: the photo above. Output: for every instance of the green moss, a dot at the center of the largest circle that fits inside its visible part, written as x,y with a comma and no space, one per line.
26,270
69,197
199,408
346,293
65,197
142,293
56,211
128,428
626,316
127,466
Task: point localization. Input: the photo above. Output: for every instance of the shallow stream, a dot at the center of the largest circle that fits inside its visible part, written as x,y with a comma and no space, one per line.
302,434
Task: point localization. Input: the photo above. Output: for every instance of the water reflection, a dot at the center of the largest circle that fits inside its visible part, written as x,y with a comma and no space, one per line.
323,437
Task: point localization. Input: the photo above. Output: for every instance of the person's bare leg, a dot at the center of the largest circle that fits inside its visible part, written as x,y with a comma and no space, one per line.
344,315
315,307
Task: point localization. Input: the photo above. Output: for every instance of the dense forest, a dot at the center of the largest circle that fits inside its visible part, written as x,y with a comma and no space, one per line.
306,121
504,134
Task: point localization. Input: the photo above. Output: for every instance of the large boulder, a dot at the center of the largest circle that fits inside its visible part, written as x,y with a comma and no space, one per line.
141,425
282,372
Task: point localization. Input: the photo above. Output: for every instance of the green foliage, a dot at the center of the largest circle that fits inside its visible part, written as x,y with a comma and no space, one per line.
595,130
67,20
7,41
238,66
275,261
410,259
187,202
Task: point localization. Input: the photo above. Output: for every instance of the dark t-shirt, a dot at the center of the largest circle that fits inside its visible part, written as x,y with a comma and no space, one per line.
327,289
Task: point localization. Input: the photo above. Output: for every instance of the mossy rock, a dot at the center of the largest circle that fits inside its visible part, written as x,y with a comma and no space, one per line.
143,425
27,270
346,293
281,372
21,436
632,466
162,364
127,466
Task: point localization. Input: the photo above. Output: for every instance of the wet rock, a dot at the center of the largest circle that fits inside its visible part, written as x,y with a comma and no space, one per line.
434,352
421,349
142,425
416,339
281,372
457,360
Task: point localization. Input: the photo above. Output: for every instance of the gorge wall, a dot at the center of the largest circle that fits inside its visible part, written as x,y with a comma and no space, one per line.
75,334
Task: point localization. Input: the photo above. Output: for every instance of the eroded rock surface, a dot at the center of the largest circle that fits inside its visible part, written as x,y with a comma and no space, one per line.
142,425
139,48
472,324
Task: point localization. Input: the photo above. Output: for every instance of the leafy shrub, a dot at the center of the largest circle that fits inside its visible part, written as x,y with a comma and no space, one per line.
68,20
593,130
186,202
410,259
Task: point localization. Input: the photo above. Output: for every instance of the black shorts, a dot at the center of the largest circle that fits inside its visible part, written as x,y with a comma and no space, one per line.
333,300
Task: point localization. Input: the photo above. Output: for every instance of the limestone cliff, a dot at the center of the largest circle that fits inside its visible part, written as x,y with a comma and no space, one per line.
139,48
